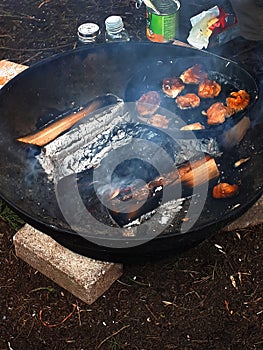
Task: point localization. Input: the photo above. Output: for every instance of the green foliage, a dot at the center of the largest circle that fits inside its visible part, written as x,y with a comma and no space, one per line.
7,215
48,288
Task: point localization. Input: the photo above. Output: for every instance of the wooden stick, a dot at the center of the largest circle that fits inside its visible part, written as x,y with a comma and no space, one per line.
190,175
53,130
200,172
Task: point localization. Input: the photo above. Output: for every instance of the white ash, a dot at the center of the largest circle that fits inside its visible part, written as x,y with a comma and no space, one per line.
190,147
141,219
164,214
88,142
85,145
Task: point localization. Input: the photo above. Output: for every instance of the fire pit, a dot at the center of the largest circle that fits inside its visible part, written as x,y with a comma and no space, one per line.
113,186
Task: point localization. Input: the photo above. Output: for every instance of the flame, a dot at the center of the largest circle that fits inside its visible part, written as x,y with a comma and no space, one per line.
115,193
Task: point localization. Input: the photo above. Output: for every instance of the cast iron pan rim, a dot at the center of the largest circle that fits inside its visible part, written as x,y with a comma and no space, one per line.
95,46
47,227
98,46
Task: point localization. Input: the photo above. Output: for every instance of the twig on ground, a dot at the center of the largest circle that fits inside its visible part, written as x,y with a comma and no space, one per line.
123,283
112,335
30,58
122,291
43,3
20,16
147,307
78,309
36,49
59,323
9,346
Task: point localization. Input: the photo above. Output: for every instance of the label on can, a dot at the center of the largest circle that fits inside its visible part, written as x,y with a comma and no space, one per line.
161,27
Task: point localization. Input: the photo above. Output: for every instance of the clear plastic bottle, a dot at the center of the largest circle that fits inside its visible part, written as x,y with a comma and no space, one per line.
115,30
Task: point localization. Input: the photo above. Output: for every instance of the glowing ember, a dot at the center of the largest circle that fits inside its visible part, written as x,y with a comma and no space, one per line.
115,193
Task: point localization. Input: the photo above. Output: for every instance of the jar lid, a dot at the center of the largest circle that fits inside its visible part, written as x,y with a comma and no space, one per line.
114,24
167,7
88,30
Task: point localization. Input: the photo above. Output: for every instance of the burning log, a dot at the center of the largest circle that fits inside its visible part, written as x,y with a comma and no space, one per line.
199,172
190,175
53,130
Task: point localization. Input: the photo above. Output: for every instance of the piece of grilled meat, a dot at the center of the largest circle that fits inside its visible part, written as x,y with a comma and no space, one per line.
159,120
208,89
186,101
225,190
148,103
217,113
194,126
238,100
172,87
194,74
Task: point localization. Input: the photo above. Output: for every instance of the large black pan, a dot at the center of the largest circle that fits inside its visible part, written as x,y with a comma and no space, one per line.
52,87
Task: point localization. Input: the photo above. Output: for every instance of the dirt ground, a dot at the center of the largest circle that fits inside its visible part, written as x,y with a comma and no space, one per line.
209,298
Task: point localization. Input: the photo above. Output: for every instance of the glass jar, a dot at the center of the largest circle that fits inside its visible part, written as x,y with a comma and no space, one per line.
88,32
115,30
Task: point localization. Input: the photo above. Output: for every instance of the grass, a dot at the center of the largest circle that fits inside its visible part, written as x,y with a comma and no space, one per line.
11,218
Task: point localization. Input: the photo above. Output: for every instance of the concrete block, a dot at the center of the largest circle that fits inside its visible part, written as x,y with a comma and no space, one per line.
9,70
85,278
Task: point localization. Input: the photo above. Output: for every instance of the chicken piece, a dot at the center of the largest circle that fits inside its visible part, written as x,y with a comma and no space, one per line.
159,120
188,101
172,87
238,100
148,103
194,75
217,113
225,190
194,126
208,89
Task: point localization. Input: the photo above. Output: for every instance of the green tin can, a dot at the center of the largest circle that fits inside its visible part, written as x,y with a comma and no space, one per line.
162,26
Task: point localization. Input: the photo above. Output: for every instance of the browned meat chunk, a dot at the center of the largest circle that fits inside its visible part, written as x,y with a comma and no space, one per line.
238,100
225,190
194,75
194,126
148,103
208,89
217,113
172,87
187,101
158,120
